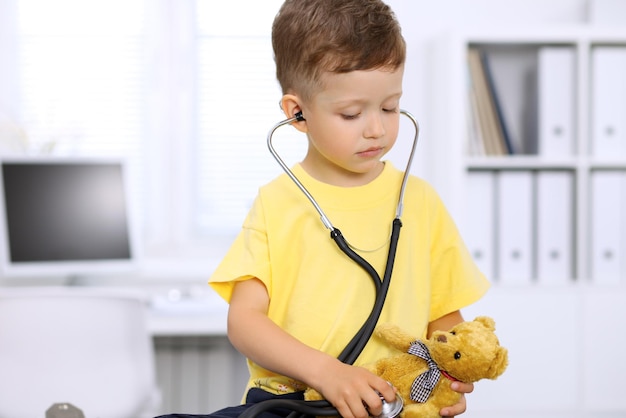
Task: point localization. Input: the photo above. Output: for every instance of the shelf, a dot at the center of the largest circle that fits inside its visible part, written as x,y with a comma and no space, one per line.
524,162
520,162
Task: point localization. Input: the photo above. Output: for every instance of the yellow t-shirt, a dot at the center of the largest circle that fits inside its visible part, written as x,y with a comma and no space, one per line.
320,296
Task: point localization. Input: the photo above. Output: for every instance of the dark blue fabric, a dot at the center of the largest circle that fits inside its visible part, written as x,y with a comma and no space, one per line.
254,396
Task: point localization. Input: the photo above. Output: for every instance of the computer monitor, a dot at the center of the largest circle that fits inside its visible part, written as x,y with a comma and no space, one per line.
67,217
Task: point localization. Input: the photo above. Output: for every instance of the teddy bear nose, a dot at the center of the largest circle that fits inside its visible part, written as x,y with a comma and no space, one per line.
442,339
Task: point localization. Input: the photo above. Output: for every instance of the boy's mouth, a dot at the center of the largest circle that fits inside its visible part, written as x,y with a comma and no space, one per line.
371,152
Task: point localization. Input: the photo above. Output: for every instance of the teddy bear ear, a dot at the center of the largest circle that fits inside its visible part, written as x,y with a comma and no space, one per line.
499,363
488,322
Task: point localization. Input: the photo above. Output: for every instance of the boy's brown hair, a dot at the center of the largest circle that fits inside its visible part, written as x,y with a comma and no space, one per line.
311,37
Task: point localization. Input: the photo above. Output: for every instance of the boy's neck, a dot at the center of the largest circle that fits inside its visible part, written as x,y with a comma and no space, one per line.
336,176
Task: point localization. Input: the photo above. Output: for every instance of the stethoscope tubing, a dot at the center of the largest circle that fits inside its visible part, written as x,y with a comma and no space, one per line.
356,345
354,348
312,408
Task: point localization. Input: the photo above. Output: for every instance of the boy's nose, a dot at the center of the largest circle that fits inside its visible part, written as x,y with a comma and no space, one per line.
375,127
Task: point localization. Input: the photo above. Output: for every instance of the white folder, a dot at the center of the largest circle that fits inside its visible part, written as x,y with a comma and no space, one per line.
554,226
608,219
557,100
480,227
515,226
608,101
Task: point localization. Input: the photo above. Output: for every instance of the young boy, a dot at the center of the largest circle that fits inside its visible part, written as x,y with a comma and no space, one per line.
295,299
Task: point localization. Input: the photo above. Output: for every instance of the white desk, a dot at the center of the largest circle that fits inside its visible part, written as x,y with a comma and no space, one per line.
185,311
174,309
180,324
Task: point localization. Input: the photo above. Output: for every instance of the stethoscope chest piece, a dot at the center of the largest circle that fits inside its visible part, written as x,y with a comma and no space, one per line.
391,409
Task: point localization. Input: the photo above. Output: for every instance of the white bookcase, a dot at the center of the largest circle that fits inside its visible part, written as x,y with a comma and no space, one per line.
513,55
553,323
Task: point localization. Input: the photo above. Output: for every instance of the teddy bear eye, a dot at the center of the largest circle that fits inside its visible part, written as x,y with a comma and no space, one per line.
453,332
457,355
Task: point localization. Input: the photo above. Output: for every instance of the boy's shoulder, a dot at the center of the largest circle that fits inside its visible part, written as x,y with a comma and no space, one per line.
278,183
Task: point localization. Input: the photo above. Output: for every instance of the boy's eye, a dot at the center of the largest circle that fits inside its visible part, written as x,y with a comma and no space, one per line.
350,117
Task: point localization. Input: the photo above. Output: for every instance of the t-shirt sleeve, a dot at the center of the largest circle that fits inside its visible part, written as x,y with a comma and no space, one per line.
247,256
456,280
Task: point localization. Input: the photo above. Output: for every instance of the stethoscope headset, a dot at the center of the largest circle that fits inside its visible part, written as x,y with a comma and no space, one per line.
356,345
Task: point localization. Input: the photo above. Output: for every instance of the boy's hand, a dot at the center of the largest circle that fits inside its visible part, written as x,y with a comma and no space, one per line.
461,406
354,391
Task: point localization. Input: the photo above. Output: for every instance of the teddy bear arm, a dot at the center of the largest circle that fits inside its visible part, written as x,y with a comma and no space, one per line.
378,368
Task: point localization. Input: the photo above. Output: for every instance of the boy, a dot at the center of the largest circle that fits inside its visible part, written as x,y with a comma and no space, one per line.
295,299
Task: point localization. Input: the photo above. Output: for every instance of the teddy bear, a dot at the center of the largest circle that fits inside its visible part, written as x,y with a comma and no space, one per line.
423,370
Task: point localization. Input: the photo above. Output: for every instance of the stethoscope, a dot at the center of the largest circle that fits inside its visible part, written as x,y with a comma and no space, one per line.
356,345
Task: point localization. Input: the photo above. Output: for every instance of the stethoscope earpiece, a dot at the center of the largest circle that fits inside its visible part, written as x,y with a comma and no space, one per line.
299,116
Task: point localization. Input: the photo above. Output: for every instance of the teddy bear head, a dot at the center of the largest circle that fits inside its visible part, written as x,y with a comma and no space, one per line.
470,351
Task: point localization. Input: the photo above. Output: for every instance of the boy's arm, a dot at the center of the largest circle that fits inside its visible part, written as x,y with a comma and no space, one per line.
347,388
445,323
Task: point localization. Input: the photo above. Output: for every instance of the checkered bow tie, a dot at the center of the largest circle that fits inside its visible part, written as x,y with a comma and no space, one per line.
423,384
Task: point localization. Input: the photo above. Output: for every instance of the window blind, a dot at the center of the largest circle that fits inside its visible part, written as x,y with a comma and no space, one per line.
238,103
80,75
95,78
80,78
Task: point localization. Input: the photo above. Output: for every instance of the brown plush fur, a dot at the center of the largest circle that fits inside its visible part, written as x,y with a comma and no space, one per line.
479,356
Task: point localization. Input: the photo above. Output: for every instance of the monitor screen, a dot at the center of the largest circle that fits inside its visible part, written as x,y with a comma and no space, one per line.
64,217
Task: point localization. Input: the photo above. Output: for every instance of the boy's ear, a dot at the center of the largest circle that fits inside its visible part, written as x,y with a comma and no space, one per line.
291,107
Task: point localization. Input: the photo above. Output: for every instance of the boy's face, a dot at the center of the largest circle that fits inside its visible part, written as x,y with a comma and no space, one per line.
351,124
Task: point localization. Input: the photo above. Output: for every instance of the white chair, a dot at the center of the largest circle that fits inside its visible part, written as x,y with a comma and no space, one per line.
87,347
